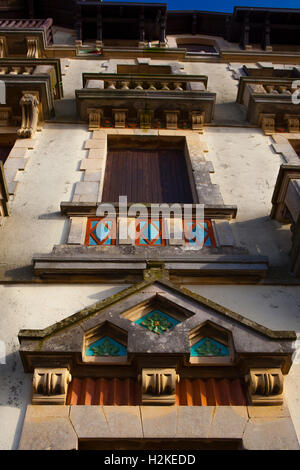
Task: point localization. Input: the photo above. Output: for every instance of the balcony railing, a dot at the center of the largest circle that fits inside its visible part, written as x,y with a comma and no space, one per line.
140,82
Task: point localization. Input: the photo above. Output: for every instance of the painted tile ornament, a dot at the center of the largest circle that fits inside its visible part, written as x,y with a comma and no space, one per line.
157,322
106,346
208,347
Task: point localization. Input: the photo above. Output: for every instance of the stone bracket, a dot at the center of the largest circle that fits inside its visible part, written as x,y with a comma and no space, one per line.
30,106
50,386
197,119
95,116
33,49
267,123
158,386
265,386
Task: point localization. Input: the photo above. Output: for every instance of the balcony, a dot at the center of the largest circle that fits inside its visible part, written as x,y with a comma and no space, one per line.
25,37
148,101
269,103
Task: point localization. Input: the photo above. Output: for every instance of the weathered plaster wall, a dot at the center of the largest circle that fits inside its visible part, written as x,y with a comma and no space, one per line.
35,223
246,169
27,306
37,306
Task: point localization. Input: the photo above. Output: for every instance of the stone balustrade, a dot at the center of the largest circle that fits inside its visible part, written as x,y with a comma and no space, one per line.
146,85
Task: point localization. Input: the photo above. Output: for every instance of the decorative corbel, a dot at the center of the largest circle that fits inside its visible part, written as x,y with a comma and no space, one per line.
33,49
3,47
197,120
267,123
5,116
145,117
95,116
158,386
50,386
265,386
120,117
30,114
172,119
292,122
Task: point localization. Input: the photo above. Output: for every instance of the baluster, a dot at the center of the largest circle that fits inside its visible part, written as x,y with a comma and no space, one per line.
15,70
111,85
139,86
151,87
125,85
28,70
165,86
178,86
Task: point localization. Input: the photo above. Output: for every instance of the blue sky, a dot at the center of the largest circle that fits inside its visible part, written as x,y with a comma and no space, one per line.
224,5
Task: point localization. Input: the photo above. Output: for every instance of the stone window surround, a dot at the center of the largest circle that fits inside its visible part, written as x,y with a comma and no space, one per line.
199,169
17,161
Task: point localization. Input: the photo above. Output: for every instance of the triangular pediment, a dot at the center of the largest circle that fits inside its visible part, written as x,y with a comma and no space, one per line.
156,317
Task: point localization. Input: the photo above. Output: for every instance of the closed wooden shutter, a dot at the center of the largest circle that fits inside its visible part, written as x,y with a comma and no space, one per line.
147,176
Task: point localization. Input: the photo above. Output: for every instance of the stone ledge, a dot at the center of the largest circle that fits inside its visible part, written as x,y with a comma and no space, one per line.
62,426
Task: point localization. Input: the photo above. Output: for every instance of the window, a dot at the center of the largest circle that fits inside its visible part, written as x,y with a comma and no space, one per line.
147,175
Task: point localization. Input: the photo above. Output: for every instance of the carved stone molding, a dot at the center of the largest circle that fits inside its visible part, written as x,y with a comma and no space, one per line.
30,114
267,123
265,386
33,50
50,386
119,117
197,120
158,386
95,115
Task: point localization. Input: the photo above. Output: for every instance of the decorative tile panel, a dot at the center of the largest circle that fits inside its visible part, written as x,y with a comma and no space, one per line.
101,232
199,231
157,322
208,347
106,346
149,233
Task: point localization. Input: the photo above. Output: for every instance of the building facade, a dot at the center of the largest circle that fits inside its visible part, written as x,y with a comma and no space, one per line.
149,227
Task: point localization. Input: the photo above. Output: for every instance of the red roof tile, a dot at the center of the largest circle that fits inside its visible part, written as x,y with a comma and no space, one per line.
190,392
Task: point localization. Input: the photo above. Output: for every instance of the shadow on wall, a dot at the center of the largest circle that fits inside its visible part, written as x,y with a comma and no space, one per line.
16,389
65,110
230,113
20,273
266,237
